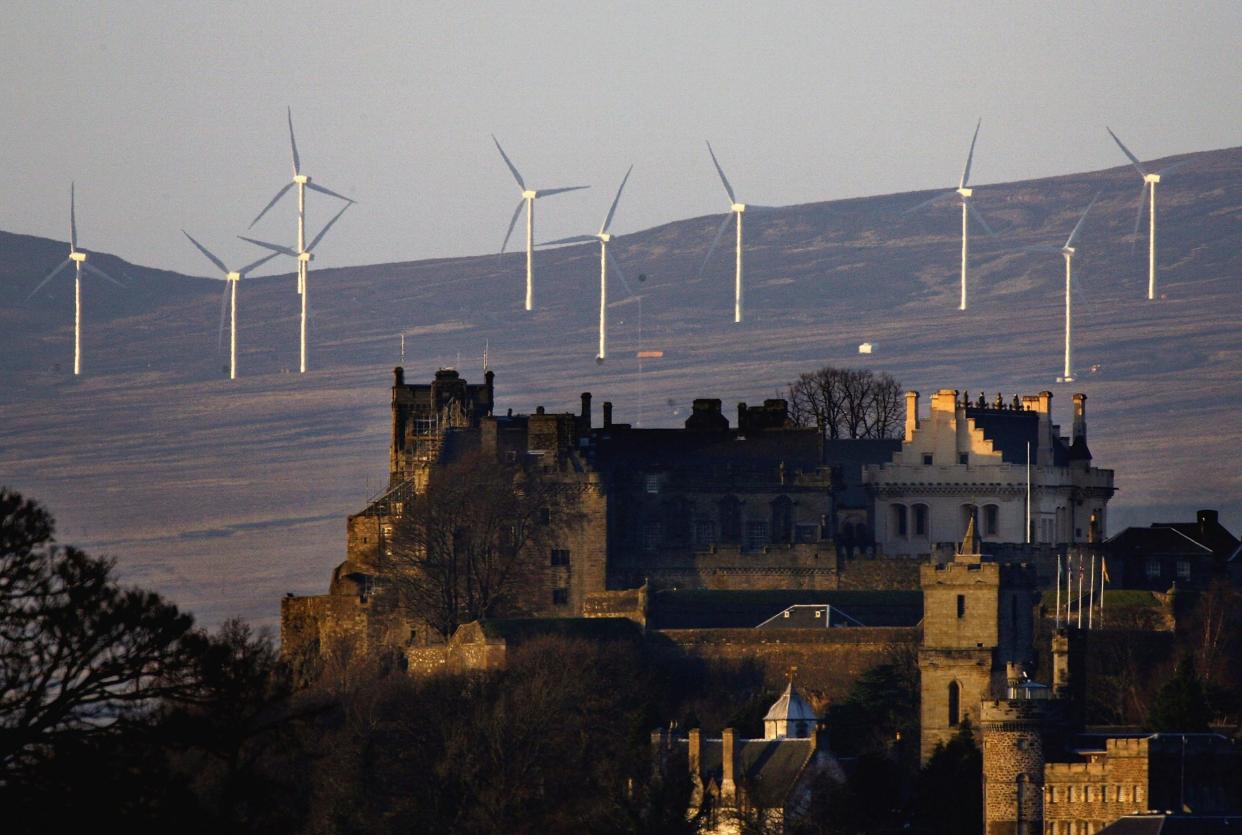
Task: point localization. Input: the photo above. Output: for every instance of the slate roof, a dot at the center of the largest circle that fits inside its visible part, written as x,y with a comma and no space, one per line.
1157,824
790,707
1010,431
768,768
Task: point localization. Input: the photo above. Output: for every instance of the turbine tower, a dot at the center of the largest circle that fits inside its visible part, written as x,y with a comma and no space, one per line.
78,259
1067,251
303,182
1150,180
231,277
964,191
529,196
735,209
605,259
304,254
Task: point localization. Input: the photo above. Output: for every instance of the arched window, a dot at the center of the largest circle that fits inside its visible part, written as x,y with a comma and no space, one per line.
782,519
730,519
900,521
991,520
955,698
920,521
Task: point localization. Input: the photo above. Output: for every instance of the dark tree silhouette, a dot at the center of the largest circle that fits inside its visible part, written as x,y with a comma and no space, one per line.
848,403
1181,704
949,794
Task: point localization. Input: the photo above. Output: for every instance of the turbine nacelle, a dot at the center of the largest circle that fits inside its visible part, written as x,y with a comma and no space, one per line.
1067,251
301,179
77,256
1151,178
965,192
232,276
306,256
738,207
604,237
529,194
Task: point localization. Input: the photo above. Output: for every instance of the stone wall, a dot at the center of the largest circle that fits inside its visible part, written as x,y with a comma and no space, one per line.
1013,766
879,574
1110,784
828,660
318,624
625,603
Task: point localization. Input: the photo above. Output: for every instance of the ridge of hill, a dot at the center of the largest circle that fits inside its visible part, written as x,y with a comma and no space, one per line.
225,495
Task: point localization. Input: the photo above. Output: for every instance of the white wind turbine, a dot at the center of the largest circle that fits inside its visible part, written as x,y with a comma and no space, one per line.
303,182
735,209
605,259
1150,179
78,259
304,254
529,196
1067,251
231,277
964,191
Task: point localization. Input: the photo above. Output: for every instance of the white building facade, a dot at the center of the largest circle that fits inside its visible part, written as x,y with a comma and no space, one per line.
970,459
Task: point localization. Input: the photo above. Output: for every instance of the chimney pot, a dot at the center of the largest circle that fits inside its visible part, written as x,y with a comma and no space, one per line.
607,413
586,408
398,374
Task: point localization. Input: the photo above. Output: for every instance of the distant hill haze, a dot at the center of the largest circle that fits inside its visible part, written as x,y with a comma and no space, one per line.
226,495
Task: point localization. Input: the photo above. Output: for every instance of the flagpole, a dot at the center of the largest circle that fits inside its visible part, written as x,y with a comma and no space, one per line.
1028,492
1058,591
1103,580
1080,591
1091,595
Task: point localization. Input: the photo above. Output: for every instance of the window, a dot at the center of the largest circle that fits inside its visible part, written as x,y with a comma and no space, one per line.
704,533
1153,569
560,597
900,522
1183,569
963,458
730,519
560,556
545,515
961,605
955,696
782,519
653,484
927,459
920,520
991,520
756,535
653,534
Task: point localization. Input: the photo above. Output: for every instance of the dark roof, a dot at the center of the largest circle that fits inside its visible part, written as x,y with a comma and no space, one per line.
1156,824
768,767
848,456
747,609
515,630
1156,541
1010,431
1213,536
673,448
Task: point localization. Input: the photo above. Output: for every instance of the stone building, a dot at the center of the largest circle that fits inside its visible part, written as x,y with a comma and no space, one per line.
969,460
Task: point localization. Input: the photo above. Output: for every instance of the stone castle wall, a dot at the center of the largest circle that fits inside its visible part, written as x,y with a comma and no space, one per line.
1109,785
1013,766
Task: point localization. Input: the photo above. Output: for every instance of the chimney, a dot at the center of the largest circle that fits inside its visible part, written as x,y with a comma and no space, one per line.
1080,418
944,400
586,408
741,417
728,788
696,754
607,413
912,414
489,379
398,374
1207,519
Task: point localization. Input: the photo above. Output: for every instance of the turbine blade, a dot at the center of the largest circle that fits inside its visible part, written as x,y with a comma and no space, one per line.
224,300
616,268
548,192
49,277
73,220
1137,165
1169,169
723,225
978,216
316,187
613,209
971,156
572,239
1078,227
91,268
273,202
512,223
254,265
1138,212
277,248
720,171
513,168
941,196
213,259
293,143
327,226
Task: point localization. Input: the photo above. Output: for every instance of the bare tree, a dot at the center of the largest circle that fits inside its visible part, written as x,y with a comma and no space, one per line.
466,547
848,403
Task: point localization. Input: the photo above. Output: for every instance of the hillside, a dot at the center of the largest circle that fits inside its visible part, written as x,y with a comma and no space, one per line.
226,495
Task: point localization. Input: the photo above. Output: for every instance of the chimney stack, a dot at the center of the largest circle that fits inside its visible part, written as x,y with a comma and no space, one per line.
696,754
398,374
1080,418
741,417
586,408
728,788
912,414
607,413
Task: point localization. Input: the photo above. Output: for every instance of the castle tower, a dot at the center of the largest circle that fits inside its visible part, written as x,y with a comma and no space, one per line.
790,717
1013,766
977,618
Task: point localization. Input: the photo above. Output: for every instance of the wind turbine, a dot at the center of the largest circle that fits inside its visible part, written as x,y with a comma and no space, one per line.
1067,251
735,209
529,196
604,260
79,263
1150,179
303,182
231,277
304,254
964,191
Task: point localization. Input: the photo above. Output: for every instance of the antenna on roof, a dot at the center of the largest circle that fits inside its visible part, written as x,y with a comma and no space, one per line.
486,345
403,349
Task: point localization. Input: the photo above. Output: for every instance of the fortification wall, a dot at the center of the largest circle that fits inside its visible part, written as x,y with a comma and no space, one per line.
318,624
1099,791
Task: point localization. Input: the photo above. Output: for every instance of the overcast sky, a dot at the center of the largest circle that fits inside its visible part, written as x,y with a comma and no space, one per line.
172,114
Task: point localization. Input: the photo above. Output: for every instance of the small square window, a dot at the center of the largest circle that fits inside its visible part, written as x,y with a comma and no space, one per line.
1153,568
927,459
560,597
963,458
560,556
961,605
1183,569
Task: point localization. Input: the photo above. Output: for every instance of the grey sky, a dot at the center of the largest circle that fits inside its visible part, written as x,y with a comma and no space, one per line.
171,114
